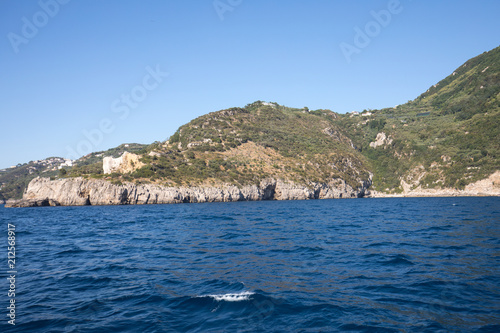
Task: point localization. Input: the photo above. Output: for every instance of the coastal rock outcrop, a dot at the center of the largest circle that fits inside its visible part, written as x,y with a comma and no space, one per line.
81,192
128,162
381,140
486,187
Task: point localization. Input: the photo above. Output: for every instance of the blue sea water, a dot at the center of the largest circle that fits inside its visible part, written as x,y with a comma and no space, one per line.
361,265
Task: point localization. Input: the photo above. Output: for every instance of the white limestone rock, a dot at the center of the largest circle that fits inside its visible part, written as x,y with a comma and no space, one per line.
126,163
80,192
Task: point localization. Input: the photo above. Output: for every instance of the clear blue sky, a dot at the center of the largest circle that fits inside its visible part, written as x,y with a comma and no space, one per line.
68,68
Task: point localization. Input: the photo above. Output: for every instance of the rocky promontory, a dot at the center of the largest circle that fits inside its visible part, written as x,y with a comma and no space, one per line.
81,192
486,187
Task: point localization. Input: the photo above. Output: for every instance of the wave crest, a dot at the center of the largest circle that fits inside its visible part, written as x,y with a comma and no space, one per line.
233,297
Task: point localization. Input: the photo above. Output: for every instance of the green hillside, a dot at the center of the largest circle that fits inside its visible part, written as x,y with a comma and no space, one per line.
447,137
243,146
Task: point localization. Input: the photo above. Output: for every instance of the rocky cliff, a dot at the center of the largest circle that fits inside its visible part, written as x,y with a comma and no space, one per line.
81,192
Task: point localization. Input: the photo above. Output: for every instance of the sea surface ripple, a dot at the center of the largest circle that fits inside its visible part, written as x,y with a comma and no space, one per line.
362,265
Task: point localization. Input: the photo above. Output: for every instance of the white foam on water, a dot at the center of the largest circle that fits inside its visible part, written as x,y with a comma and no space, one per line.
237,297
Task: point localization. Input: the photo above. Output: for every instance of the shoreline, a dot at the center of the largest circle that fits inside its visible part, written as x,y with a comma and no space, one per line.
92,192
432,195
30,203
